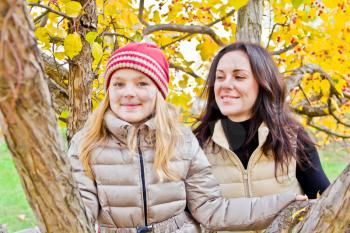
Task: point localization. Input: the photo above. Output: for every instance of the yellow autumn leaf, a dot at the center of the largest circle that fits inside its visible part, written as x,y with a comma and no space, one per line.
184,81
56,32
207,49
325,87
59,55
156,17
97,51
111,9
237,4
43,36
298,212
73,8
72,45
330,3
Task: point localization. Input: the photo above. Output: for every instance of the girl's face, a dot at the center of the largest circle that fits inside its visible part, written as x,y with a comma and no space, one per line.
132,95
235,87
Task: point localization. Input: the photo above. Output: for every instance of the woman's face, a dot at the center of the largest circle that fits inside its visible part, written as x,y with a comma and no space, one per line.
235,87
132,95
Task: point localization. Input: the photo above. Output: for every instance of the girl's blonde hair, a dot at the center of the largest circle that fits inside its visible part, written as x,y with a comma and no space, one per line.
167,136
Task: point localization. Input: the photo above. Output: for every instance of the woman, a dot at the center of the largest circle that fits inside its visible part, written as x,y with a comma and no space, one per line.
137,169
248,133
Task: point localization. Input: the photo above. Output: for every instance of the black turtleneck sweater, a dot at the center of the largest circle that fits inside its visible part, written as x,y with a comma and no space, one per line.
312,179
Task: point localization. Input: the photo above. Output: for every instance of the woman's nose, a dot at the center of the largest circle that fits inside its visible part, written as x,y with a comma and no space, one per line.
228,82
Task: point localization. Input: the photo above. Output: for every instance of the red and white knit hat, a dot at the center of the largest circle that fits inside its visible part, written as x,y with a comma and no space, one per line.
143,57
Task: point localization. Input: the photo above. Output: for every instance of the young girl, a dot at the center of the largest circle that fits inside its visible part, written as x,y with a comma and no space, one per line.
137,169
248,133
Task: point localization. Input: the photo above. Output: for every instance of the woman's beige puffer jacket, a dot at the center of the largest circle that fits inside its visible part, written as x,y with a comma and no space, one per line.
127,192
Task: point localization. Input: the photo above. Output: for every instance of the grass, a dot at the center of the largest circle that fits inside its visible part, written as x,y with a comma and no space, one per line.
334,161
14,208
13,204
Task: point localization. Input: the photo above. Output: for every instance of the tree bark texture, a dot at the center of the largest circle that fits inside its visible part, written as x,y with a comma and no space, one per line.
249,22
331,213
30,127
80,71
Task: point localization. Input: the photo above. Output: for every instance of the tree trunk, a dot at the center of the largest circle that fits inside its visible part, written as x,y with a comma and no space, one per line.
30,127
249,22
80,71
331,213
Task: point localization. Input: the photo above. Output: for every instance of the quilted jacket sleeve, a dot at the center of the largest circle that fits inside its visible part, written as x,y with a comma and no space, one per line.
209,208
86,185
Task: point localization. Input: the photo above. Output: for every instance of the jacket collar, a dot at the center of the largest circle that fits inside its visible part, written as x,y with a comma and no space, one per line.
120,128
219,136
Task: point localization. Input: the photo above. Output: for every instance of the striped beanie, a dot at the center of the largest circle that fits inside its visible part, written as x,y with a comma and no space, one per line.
143,57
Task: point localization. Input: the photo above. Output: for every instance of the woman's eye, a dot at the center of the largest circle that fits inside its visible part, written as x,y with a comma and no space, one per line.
219,77
239,77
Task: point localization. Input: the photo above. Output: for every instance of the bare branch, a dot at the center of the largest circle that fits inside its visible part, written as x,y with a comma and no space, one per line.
328,131
140,15
194,29
273,29
311,111
116,34
37,19
231,12
331,111
209,25
188,71
346,94
297,74
51,10
279,52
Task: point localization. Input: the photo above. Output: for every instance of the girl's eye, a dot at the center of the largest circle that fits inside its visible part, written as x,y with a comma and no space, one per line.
142,84
219,77
239,77
117,84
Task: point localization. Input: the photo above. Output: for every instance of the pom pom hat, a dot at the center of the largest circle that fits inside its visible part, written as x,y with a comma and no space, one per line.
143,57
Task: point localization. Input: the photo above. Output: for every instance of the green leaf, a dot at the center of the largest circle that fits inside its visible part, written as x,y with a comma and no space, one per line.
72,45
237,4
97,51
73,8
297,3
90,37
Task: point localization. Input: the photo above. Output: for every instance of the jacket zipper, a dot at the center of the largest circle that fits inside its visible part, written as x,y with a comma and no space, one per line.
244,171
142,178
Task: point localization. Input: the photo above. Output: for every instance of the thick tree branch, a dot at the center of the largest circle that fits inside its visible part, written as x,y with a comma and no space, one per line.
331,212
58,73
51,10
289,217
188,71
194,29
